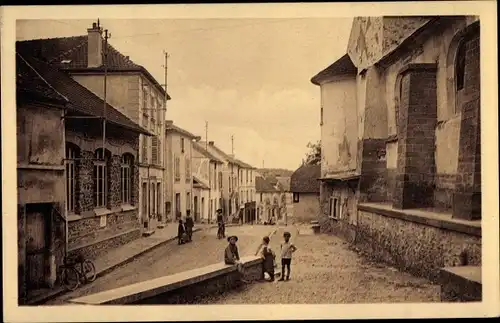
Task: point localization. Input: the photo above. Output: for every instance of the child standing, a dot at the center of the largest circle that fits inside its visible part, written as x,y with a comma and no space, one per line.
287,249
268,258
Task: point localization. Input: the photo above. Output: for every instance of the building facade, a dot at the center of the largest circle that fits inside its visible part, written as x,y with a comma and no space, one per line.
417,143
179,171
305,187
207,183
133,91
87,202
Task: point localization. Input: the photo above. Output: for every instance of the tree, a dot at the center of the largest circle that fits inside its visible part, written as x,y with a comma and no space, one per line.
313,156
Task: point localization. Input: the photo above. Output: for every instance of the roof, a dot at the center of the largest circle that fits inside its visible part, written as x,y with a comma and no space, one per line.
219,152
243,164
30,83
206,153
284,183
198,183
262,185
305,179
169,126
81,100
75,50
343,66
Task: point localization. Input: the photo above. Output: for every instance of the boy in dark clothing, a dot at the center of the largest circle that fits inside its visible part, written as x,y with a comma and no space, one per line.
181,231
189,226
221,224
287,249
232,256
268,257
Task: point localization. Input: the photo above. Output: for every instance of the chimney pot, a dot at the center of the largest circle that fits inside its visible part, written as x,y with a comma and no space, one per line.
94,25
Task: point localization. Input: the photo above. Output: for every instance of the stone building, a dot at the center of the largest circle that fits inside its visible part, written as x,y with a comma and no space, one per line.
305,187
247,191
206,166
402,162
131,89
179,170
73,199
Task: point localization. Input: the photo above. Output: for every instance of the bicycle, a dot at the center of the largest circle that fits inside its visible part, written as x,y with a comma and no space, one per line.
72,276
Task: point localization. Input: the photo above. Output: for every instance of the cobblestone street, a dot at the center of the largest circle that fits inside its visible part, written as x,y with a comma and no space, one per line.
171,258
325,271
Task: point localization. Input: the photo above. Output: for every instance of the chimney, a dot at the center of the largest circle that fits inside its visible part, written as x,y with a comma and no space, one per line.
211,143
169,122
94,50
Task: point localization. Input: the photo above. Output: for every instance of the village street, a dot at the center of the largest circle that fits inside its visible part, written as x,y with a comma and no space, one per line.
324,270
171,258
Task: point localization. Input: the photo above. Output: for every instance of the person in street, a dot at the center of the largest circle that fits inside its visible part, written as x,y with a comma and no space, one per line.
221,225
189,226
268,258
232,256
287,249
181,232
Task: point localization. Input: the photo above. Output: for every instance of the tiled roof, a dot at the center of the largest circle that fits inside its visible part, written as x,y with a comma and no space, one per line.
219,152
242,164
201,149
30,83
81,100
305,179
169,126
264,186
343,66
75,49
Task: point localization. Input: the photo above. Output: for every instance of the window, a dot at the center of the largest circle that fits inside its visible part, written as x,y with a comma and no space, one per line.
246,175
72,153
177,168
321,117
187,164
334,208
158,147
460,67
220,180
154,150
100,179
177,205
159,112
251,177
182,145
229,184
144,149
261,197
144,100
295,197
126,178
188,201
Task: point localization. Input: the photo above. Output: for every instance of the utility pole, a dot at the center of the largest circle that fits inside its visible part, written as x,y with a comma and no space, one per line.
262,163
105,63
206,135
232,145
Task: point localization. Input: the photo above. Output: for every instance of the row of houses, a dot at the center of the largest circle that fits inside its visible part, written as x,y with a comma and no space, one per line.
400,172
98,166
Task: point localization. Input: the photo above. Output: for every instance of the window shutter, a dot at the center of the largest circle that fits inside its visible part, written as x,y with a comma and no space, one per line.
154,150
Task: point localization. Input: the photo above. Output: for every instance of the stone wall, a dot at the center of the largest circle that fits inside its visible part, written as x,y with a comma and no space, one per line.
415,247
307,208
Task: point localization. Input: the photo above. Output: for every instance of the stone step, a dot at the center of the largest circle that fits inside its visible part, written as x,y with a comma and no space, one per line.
461,284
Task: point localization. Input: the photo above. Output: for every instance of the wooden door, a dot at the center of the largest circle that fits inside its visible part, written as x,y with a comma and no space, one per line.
36,246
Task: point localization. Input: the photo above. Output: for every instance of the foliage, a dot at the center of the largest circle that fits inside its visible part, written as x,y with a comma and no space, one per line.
313,156
275,172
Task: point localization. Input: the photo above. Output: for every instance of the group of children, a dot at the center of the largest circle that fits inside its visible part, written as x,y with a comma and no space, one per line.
232,257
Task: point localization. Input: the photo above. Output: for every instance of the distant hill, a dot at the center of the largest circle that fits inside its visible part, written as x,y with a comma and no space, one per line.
274,172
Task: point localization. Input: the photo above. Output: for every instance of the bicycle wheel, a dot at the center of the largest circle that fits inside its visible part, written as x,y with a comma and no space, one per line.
89,270
70,278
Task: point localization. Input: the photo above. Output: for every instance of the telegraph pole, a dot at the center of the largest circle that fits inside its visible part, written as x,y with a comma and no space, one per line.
206,135
105,63
232,145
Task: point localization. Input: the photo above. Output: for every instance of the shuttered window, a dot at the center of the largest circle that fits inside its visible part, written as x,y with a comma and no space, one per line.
144,149
154,150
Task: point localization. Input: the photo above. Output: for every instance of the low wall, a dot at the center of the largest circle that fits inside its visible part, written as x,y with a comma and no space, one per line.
416,241
182,288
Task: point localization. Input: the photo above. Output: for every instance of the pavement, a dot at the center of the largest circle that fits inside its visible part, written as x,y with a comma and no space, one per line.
118,257
167,258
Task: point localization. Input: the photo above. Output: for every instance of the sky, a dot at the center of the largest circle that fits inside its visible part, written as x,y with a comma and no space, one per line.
249,78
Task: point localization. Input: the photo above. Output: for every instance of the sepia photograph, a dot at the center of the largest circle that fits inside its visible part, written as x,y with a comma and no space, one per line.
181,157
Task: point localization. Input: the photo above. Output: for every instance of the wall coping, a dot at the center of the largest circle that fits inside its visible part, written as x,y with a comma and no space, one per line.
91,243
150,288
426,217
41,167
470,273
95,213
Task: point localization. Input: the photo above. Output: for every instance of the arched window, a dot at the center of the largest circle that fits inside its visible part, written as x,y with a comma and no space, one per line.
127,162
101,178
460,67
71,162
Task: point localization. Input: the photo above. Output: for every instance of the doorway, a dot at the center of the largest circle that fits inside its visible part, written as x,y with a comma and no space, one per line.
195,209
202,207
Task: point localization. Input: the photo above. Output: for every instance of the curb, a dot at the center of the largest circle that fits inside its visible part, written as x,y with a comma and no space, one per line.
107,270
